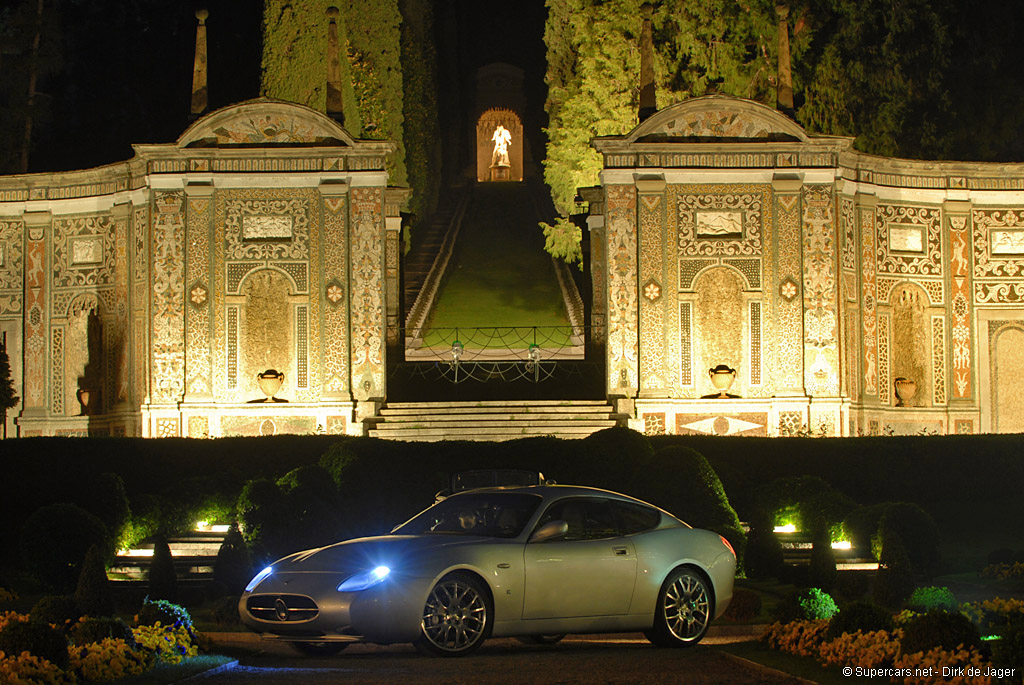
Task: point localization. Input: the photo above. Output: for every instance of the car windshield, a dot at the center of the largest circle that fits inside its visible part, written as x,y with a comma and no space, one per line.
492,514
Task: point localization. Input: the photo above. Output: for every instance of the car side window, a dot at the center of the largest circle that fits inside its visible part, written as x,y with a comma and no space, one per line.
635,518
588,518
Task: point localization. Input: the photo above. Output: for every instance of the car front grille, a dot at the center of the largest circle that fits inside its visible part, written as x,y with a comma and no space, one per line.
283,608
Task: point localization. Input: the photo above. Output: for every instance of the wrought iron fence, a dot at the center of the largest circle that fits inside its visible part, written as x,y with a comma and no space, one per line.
528,344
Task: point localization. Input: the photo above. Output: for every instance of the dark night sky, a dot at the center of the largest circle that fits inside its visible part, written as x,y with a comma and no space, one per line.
127,69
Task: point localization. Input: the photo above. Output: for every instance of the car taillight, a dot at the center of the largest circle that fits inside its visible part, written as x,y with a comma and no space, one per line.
726,543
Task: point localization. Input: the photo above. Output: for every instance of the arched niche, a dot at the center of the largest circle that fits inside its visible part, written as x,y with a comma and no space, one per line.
267,330
912,340
84,357
488,164
1008,379
719,327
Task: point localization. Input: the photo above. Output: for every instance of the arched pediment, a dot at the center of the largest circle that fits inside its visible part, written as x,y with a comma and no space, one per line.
717,118
264,122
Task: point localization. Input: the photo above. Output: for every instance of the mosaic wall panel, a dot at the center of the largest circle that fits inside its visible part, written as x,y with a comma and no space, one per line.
336,425
232,348
166,428
83,251
654,423
884,377
911,337
168,298
199,335
750,268
85,356
1006,345
960,306
938,360
57,372
998,243
140,276
848,228
198,426
753,424
790,422
719,324
302,346
686,343
12,266
335,260
869,301
652,276
36,341
852,382
755,343
622,287
367,290
821,327
909,240
689,268
721,220
788,303
251,222
598,269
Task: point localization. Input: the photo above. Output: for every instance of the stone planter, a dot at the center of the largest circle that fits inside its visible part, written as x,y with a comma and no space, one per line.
722,377
270,382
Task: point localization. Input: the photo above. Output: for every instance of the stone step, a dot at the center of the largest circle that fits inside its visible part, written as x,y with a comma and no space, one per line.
547,425
573,404
482,433
495,412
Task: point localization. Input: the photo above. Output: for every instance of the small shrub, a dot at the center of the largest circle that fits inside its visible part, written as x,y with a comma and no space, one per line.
822,568
233,567
54,541
862,616
763,557
167,613
818,605
59,610
38,639
1008,651
744,606
939,629
225,611
163,580
93,594
97,629
917,531
924,599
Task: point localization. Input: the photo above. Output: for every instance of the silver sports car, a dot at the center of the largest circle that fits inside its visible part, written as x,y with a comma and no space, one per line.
535,562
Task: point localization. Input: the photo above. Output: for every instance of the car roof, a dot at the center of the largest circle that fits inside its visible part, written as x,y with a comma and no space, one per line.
554,490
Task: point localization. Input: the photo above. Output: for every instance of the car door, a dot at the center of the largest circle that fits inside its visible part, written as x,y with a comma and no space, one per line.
589,572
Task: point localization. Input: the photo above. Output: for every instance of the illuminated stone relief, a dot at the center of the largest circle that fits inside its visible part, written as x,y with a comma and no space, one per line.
719,328
869,300
336,313
168,298
1006,342
911,341
267,328
12,272
821,353
83,251
367,301
788,348
199,334
898,250
652,316
622,288
998,272
960,306
35,317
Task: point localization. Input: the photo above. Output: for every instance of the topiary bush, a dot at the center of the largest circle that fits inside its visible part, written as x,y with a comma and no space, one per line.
939,628
262,517
163,579
167,613
38,639
312,507
822,567
233,567
863,616
109,502
97,629
763,556
1008,651
54,541
914,525
894,580
811,604
924,599
225,611
59,610
93,594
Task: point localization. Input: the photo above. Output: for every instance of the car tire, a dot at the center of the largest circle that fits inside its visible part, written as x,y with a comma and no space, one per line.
319,648
456,618
684,609
549,639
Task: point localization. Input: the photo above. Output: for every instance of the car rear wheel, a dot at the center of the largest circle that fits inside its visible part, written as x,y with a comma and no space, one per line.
319,648
456,616
550,639
684,610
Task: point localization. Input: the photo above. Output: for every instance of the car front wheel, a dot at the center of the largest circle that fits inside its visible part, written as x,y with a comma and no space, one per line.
683,612
456,616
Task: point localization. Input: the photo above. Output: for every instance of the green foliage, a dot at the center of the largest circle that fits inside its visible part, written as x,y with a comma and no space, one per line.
225,611
938,628
808,502
261,512
109,502
818,604
233,567
916,529
163,580
822,570
562,240
1008,651
93,594
421,129
763,556
37,639
60,610
8,397
97,629
54,540
895,578
167,613
863,616
925,599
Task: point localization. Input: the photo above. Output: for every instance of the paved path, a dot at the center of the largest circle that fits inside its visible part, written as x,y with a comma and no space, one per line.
626,658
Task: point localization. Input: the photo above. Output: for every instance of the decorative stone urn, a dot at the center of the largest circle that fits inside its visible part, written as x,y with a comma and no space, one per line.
85,395
722,377
905,391
270,383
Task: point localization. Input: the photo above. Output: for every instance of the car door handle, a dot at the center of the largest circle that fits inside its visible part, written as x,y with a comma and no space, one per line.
621,551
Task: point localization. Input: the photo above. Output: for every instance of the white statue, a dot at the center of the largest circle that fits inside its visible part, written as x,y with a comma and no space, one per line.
502,137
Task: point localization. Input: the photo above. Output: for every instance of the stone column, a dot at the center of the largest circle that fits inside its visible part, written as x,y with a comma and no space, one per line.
596,337
121,353
865,211
653,378
199,310
959,308
37,313
335,322
621,251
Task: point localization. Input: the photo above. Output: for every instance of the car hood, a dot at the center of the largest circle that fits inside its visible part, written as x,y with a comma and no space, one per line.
403,554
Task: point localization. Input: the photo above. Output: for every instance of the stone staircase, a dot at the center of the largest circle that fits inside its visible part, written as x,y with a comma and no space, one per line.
493,420
416,265
193,553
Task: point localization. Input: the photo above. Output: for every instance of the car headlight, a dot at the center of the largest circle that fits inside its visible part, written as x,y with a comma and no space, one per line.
258,578
362,581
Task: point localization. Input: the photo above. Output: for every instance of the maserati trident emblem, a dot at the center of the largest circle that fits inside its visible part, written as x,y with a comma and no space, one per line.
281,609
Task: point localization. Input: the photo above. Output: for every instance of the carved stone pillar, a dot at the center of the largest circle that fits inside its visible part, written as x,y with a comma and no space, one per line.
37,313
653,379
789,337
959,305
199,310
621,251
865,209
335,322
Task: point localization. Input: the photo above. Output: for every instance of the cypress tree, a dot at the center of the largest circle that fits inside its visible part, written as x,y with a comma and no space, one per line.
93,594
8,397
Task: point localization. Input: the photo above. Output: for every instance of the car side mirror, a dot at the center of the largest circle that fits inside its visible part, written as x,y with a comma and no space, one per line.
550,531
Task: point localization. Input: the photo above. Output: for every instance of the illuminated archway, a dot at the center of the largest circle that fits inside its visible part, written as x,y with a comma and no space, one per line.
1008,379
491,166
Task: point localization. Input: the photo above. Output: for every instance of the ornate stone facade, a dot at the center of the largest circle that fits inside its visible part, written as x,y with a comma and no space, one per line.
820,274
143,298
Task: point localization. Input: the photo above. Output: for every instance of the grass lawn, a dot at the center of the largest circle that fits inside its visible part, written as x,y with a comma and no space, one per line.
163,673
799,666
500,275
